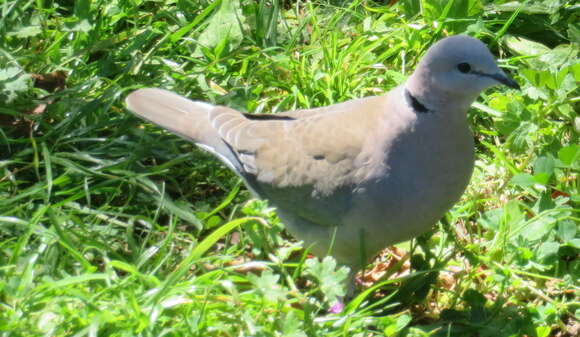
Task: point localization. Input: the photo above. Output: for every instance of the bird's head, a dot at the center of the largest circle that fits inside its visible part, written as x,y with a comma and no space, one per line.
459,67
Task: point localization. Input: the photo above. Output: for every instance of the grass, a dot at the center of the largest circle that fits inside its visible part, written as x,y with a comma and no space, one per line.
111,227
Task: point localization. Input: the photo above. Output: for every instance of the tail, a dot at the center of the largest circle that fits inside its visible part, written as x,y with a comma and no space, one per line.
183,117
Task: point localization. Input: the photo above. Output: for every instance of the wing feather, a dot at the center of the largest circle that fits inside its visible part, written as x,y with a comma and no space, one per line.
314,156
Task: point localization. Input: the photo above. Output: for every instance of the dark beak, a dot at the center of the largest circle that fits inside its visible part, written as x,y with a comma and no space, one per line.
504,79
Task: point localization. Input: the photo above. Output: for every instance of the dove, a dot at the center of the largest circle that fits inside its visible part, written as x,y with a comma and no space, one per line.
351,178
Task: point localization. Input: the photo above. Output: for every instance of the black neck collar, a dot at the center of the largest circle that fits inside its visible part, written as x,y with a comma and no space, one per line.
417,106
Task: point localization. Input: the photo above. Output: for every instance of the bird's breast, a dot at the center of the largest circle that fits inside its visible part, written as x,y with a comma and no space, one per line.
424,173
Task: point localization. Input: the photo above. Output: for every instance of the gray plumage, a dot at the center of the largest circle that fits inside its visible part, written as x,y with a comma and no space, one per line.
369,172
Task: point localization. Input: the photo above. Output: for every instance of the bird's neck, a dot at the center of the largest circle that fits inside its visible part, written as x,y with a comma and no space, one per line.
432,97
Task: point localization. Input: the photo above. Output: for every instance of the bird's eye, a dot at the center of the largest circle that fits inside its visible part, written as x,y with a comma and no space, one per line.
464,67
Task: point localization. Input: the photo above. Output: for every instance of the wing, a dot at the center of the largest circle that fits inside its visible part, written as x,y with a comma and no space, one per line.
308,166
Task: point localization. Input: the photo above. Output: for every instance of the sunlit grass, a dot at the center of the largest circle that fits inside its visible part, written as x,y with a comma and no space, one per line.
110,226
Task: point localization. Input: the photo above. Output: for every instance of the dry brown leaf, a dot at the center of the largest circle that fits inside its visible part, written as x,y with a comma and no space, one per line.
51,82
392,261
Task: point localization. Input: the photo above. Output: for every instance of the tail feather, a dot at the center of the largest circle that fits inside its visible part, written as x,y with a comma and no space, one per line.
183,117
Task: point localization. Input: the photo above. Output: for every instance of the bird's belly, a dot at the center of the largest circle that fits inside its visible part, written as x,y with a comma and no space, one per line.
407,212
